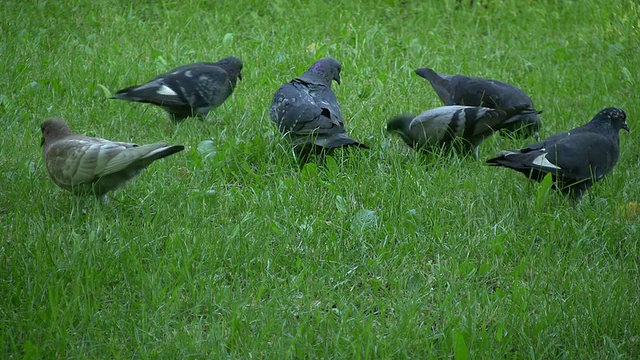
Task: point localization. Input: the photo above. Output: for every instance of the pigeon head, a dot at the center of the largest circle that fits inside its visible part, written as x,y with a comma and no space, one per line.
612,117
54,128
233,66
323,71
400,125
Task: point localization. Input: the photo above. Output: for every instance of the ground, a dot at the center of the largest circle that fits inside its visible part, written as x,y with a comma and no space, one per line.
230,249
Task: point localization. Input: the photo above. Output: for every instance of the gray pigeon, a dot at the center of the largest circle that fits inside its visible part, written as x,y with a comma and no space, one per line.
188,90
467,126
473,91
88,165
307,112
576,158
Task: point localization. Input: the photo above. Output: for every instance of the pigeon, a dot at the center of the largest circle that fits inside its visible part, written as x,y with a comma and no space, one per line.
445,125
88,165
188,90
473,91
307,112
576,158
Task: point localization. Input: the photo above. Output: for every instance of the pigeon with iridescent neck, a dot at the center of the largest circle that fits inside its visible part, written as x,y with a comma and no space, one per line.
188,90
307,112
576,158
464,127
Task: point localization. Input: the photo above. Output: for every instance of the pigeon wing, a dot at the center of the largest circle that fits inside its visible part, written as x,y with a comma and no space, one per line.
437,125
583,156
326,99
295,111
77,161
489,120
472,91
183,68
197,86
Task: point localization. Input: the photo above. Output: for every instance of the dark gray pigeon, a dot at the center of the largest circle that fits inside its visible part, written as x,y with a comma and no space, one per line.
473,91
89,165
576,158
307,112
467,126
188,90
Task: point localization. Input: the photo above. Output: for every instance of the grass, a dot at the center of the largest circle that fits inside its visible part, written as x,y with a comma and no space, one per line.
236,252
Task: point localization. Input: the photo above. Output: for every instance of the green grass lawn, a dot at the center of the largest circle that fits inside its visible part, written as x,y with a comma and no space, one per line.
237,252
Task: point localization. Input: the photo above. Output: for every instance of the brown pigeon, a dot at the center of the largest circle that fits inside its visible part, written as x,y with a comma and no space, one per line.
89,165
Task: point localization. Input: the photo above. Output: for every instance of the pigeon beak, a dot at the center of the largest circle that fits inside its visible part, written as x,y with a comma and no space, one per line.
240,76
625,126
337,78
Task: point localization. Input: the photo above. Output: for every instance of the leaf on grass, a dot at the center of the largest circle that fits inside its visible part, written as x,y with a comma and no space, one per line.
312,47
626,74
227,39
31,351
460,350
631,210
207,149
309,171
106,91
341,204
484,268
415,45
315,48
331,165
363,219
414,283
162,61
32,166
276,227
281,56
543,192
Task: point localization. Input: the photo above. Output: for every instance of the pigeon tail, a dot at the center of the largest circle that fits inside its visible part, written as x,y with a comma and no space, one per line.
523,126
338,140
326,145
520,120
142,93
160,95
441,84
518,164
163,152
